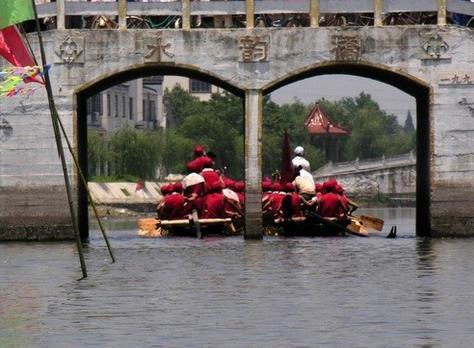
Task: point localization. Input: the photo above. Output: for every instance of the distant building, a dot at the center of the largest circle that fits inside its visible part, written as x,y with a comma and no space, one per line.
135,103
139,103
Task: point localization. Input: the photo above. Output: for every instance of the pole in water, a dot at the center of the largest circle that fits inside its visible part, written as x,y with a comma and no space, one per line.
57,135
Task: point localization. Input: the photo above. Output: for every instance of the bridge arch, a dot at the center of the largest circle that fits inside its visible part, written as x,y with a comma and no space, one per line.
409,84
104,81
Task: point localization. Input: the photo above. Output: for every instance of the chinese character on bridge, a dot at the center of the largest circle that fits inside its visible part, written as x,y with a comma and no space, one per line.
253,49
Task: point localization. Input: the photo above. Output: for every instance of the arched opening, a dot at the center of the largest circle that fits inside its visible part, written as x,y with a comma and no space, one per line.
419,90
83,99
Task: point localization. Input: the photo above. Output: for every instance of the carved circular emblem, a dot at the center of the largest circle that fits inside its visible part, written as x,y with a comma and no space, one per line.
6,130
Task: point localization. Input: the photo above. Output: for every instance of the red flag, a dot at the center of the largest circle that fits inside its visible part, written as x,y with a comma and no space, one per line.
286,170
13,49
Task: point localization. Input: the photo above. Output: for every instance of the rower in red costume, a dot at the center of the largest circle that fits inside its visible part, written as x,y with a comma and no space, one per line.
330,203
193,185
292,204
199,161
172,207
211,176
273,205
214,202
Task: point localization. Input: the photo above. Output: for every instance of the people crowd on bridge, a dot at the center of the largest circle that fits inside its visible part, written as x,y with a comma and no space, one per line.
211,194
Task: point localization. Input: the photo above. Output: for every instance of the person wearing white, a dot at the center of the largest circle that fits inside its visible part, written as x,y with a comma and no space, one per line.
299,160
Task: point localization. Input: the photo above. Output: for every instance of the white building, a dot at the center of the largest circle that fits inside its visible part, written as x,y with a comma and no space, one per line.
135,103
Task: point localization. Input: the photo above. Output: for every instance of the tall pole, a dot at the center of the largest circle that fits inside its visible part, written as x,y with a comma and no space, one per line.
57,135
79,170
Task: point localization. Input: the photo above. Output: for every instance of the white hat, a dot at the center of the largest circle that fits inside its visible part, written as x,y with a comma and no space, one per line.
299,150
192,179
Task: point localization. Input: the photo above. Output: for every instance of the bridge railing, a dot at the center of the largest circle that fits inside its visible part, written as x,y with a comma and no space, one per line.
369,164
314,12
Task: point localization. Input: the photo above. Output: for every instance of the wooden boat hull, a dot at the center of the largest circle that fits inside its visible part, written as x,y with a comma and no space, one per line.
154,228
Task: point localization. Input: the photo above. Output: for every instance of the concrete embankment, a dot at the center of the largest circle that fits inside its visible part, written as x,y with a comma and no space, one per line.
125,198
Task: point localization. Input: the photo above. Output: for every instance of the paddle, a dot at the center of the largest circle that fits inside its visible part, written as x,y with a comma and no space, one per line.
370,222
334,225
197,225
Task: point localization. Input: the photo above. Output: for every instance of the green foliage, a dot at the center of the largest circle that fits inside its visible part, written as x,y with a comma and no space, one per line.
135,152
218,124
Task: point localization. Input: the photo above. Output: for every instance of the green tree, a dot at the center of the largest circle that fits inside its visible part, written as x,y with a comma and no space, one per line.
409,126
97,151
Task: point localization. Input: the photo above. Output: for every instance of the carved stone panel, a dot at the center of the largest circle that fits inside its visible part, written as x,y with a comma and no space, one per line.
70,50
6,130
254,48
346,48
434,47
155,48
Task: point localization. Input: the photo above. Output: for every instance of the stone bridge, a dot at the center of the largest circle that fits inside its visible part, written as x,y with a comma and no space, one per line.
391,177
433,63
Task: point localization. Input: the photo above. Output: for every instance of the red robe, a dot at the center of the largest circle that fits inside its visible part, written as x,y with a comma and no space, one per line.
214,206
330,205
172,207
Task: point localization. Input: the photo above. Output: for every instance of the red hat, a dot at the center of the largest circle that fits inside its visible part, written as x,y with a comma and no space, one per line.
165,189
239,186
276,186
318,187
289,187
178,187
198,150
329,185
339,189
216,186
266,185
230,183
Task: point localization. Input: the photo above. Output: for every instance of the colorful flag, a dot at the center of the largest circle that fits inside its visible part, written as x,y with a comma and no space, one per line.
15,11
13,49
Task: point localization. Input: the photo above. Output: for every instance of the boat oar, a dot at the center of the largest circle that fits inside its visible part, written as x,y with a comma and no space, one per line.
371,222
393,233
196,224
334,225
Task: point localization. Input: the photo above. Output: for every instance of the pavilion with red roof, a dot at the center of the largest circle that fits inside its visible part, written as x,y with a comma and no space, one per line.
326,133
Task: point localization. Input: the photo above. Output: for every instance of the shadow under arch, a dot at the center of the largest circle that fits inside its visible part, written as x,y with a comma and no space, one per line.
101,83
411,85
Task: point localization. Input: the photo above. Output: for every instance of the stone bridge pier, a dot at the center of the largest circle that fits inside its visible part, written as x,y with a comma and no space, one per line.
435,64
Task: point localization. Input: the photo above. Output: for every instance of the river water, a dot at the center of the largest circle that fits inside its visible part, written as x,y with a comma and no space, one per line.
228,292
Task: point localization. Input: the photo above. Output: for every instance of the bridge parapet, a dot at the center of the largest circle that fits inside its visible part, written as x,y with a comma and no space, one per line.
357,165
311,9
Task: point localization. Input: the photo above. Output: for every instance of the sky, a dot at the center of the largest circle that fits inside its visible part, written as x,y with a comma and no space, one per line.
334,87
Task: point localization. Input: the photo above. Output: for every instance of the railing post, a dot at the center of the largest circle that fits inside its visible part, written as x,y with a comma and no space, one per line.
441,12
314,13
378,16
249,13
60,15
253,164
122,14
186,14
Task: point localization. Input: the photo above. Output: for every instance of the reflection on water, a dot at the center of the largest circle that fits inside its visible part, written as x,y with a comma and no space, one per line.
227,292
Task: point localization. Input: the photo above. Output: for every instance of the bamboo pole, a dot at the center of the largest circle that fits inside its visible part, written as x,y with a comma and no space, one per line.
79,170
57,135
378,9
84,183
441,12
249,14
314,9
